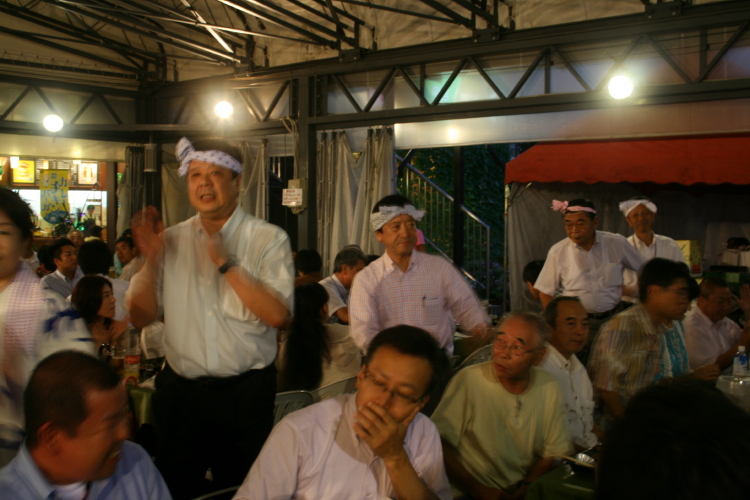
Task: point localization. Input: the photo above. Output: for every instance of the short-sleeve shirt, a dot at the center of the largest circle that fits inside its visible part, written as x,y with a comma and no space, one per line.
498,435
208,330
314,454
338,296
662,246
595,275
430,294
706,340
631,353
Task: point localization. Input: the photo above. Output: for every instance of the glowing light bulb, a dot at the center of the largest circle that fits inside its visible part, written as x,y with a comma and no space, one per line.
53,123
620,87
223,109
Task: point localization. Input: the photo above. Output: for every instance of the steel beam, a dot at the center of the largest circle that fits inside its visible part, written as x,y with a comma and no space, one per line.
74,87
463,21
400,11
15,103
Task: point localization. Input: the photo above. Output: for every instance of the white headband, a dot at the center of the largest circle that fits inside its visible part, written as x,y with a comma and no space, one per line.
627,206
387,214
187,153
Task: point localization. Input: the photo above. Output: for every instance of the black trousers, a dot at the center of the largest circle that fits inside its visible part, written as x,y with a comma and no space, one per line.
219,424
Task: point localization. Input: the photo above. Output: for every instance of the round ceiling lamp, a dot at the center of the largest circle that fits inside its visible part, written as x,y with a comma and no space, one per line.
620,87
223,109
53,123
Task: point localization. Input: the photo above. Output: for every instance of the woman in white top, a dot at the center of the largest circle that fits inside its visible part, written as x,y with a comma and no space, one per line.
314,355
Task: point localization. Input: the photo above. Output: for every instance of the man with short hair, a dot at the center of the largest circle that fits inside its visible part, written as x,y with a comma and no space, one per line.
569,332
371,444
645,343
76,237
346,265
95,259
408,287
640,212
127,254
710,336
67,274
530,295
77,425
501,422
682,440
224,281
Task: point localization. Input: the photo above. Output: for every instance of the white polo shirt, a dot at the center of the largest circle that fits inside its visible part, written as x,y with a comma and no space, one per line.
706,340
661,246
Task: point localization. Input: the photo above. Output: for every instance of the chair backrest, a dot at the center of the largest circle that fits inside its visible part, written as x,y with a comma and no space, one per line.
288,402
347,386
479,356
226,493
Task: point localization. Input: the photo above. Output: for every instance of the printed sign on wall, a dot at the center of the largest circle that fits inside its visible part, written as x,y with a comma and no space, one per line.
54,195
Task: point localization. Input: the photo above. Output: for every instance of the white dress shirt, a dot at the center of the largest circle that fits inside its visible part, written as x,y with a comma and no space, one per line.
595,275
338,296
208,330
58,282
430,294
661,246
131,268
707,340
577,395
314,454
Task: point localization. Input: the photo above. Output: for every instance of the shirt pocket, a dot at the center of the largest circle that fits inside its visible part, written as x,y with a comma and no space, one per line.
433,310
611,275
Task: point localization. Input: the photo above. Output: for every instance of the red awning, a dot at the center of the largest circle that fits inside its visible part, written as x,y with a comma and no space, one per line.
709,160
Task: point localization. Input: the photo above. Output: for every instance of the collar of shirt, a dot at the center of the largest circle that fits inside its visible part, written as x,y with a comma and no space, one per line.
649,328
597,239
341,288
707,323
571,365
229,226
390,264
30,474
57,274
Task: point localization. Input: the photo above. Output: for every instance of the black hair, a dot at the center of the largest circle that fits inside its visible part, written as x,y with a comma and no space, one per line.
87,297
93,231
581,202
680,439
416,342
58,389
127,232
392,200
18,211
220,144
308,343
664,272
531,271
710,285
308,261
550,312
126,239
57,246
44,254
94,257
350,255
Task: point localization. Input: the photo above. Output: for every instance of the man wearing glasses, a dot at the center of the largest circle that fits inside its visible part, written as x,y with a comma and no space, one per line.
408,287
369,445
501,422
587,264
646,343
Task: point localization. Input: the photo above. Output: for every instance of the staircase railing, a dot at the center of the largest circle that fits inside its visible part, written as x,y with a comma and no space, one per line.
437,226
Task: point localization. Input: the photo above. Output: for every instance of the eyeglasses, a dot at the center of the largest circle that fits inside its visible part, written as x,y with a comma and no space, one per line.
397,396
580,224
515,350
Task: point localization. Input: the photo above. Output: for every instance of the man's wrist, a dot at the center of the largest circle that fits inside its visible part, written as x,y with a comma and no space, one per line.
398,460
229,263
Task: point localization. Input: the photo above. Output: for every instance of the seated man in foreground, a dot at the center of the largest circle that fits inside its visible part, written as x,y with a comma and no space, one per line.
569,333
77,423
679,439
371,444
645,343
501,422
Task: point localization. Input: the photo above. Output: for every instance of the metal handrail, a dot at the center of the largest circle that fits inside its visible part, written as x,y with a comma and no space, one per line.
439,205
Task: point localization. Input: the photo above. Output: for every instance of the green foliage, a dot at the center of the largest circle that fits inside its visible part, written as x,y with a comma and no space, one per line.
484,195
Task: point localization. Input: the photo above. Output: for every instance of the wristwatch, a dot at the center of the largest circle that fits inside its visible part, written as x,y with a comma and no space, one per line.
231,262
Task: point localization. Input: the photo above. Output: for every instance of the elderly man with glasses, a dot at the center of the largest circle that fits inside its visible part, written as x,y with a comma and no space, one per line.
501,422
371,444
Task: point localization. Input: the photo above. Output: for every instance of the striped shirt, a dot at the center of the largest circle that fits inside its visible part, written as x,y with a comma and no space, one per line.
631,353
430,294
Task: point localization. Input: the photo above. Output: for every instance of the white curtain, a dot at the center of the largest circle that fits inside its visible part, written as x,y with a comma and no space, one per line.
175,206
254,188
348,188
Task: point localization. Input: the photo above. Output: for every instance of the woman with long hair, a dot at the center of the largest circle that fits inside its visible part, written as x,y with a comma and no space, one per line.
315,354
93,299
